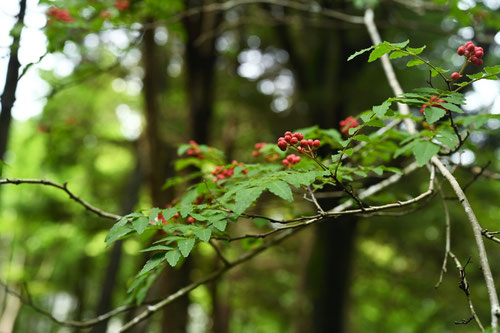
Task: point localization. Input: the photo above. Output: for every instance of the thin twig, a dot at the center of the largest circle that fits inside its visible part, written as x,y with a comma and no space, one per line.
447,238
219,253
313,198
489,235
464,285
63,187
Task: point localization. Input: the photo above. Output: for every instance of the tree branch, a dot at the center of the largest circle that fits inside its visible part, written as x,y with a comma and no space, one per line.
63,187
410,126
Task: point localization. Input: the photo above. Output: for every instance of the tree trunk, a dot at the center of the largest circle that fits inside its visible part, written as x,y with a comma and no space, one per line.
109,281
9,92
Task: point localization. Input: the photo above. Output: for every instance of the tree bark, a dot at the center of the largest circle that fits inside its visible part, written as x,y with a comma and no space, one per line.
9,92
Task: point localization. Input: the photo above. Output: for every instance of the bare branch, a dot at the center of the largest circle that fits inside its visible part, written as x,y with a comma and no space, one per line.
404,110
313,198
219,253
77,324
489,235
181,292
464,285
447,237
63,187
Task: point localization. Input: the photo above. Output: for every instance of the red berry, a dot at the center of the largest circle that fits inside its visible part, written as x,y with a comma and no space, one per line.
294,140
455,76
303,143
422,109
288,138
461,50
288,133
316,143
310,142
255,153
282,145
478,62
440,101
296,159
245,171
299,136
471,48
191,220
479,52
176,215
285,162
299,149
290,157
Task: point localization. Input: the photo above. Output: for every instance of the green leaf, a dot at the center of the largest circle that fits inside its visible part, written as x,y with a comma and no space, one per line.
220,224
435,72
455,98
203,234
414,62
492,69
182,149
381,109
155,260
116,232
452,107
140,224
378,170
185,246
186,209
169,213
375,123
172,257
433,114
400,45
281,189
245,197
361,137
357,53
348,152
157,248
423,151
415,50
475,76
379,51
493,77
398,54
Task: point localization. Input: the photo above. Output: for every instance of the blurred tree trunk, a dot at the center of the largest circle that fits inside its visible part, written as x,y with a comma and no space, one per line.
9,91
318,62
131,196
201,58
159,156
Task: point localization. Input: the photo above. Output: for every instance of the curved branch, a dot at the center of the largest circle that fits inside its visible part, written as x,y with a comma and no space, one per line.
476,227
63,187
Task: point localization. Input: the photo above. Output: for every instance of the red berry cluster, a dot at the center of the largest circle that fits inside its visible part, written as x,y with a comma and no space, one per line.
346,124
473,53
297,140
59,14
194,150
433,102
221,173
122,4
291,160
258,146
